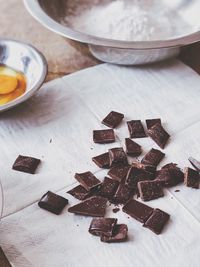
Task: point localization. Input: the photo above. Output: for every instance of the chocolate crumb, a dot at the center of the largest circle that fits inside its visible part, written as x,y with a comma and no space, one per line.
177,190
115,210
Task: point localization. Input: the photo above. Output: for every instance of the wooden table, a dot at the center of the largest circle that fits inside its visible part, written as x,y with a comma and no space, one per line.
62,57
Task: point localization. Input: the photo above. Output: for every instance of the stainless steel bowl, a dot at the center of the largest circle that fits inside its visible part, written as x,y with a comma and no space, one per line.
27,59
51,13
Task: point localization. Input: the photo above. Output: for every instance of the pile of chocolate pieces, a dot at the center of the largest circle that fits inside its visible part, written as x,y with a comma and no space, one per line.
141,179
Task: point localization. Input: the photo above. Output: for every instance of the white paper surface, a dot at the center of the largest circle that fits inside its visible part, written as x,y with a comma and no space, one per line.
67,110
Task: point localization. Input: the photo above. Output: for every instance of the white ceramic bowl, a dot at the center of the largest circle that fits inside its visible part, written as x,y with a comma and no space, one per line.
27,59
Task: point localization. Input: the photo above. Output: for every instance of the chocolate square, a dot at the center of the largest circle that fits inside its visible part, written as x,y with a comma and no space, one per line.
102,161
102,226
191,178
93,206
117,156
152,122
108,187
119,172
26,164
195,163
157,221
52,202
145,167
122,194
136,129
159,135
149,190
132,148
170,175
3,259
137,210
120,234
103,136
79,192
153,157
87,180
113,119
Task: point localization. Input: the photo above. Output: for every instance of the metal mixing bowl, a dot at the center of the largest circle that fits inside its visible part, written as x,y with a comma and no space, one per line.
51,13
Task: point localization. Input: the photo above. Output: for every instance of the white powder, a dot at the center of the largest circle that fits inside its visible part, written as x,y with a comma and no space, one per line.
129,20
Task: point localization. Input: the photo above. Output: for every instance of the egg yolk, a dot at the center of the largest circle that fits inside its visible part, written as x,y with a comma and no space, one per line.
12,84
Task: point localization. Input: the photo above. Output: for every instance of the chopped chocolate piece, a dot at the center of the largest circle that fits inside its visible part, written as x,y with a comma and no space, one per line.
87,180
108,188
135,175
102,160
195,163
136,129
157,221
102,226
132,148
177,191
3,259
169,166
117,156
115,210
145,167
113,119
122,194
119,235
170,175
191,178
26,164
137,210
93,206
153,157
152,122
79,192
119,172
149,190
104,136
52,202
159,135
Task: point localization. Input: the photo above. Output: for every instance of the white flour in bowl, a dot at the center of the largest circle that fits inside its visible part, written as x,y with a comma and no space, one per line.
129,20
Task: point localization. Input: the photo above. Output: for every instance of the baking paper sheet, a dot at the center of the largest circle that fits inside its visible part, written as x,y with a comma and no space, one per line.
66,111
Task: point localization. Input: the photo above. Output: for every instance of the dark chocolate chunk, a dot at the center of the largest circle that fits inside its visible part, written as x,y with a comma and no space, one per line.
195,163
102,226
149,190
119,172
120,234
117,156
157,221
152,122
137,210
132,148
102,160
170,175
136,175
177,191
93,206
136,129
108,187
191,178
52,202
104,136
87,180
145,167
115,210
26,164
113,119
122,194
79,192
159,135
153,157
3,260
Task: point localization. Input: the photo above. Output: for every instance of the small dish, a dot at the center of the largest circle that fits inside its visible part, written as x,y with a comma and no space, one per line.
24,58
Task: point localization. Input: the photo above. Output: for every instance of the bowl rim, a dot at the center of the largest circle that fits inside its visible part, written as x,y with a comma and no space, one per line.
38,13
38,83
